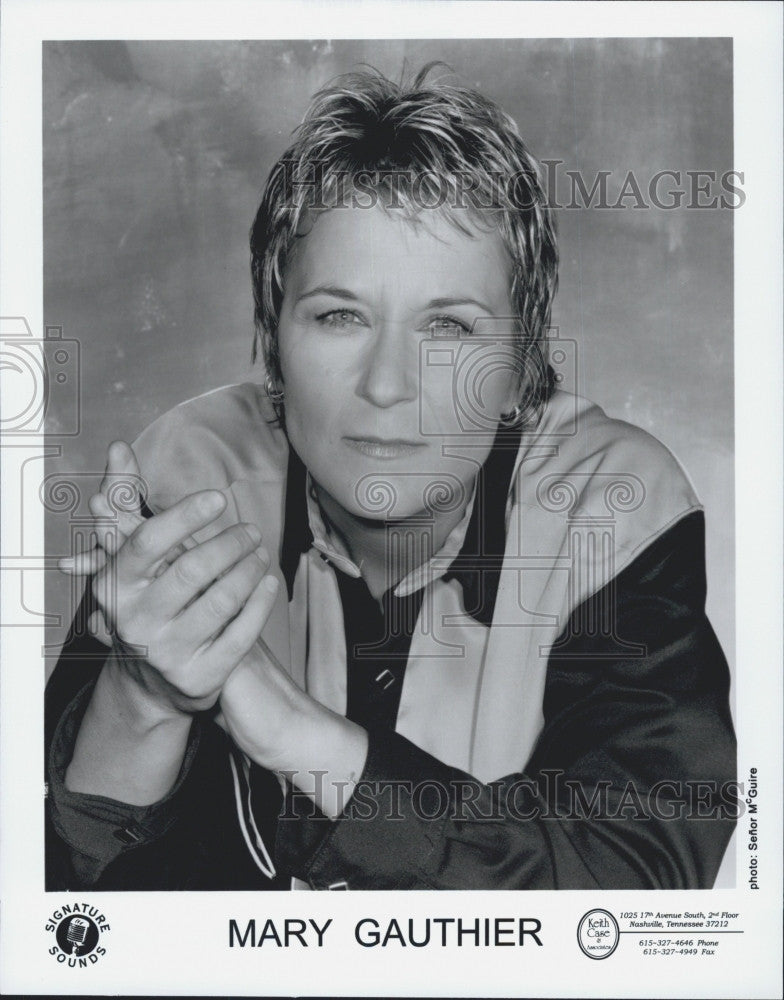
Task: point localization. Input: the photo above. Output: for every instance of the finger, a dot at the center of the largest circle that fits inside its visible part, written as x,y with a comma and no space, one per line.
96,625
239,635
122,466
120,458
83,563
171,556
106,526
199,566
152,540
126,520
223,595
122,489
126,525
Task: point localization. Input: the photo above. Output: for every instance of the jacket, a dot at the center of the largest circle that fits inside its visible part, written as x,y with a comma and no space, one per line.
580,737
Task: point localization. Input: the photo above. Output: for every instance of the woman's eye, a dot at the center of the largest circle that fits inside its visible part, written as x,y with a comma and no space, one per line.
338,318
448,326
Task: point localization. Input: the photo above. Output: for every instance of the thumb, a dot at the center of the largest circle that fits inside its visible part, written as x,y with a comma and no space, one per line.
98,628
123,487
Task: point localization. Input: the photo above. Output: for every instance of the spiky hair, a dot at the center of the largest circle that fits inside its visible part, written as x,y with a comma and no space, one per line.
420,145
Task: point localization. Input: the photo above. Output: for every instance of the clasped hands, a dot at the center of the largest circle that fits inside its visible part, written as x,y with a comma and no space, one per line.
183,619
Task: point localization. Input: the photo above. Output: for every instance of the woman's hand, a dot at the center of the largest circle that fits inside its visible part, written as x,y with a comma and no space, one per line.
194,622
181,616
184,635
112,524
283,729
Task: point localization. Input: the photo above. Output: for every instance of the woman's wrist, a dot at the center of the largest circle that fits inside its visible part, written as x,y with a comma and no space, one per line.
327,757
283,729
129,747
140,710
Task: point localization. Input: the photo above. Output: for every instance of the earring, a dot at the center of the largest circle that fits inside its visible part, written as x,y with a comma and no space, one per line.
513,417
275,394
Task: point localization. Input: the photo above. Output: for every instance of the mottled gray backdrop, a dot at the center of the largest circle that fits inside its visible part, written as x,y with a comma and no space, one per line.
155,154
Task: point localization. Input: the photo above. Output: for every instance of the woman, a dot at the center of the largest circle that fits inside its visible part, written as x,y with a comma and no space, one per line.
484,659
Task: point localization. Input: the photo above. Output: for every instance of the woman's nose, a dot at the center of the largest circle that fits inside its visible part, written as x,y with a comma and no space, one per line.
391,372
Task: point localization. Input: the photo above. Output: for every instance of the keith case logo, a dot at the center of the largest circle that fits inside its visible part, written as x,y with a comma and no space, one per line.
79,935
598,934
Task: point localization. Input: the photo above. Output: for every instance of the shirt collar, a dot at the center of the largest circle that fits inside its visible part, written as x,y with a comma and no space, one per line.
472,552
332,548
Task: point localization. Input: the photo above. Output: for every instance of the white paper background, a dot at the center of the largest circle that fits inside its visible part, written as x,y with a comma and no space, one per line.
178,943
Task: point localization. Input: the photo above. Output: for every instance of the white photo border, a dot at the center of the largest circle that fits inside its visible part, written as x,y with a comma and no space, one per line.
177,943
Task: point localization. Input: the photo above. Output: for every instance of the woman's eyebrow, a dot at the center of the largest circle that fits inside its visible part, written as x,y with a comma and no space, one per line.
333,290
447,303
348,296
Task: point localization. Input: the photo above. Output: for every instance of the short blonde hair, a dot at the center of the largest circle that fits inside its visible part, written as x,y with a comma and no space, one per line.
420,146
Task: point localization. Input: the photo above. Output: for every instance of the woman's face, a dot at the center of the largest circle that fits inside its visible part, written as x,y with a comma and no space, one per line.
397,354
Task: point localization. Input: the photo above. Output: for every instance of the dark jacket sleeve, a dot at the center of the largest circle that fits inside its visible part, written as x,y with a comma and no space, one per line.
630,785
188,840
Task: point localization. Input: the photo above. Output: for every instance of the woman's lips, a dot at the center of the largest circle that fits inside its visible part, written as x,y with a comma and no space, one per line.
384,449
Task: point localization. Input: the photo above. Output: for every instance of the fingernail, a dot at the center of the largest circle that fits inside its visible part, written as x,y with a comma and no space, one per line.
270,584
262,553
253,533
212,502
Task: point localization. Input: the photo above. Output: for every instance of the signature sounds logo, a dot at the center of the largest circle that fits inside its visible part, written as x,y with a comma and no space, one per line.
598,934
78,934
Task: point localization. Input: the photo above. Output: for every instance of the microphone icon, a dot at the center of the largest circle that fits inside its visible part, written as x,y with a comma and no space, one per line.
76,934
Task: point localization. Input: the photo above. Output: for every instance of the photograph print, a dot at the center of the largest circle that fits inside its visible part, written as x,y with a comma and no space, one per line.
394,497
